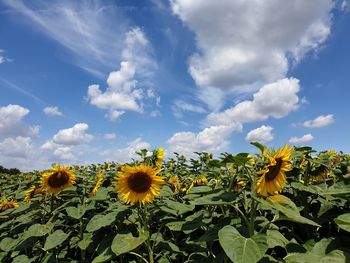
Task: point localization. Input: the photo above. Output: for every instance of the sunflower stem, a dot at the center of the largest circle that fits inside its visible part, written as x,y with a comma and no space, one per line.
51,204
254,206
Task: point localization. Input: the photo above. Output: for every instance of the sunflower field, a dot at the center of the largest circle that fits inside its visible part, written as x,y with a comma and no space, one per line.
280,205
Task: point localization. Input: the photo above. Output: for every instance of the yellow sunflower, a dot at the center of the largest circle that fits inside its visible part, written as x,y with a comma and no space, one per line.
160,157
198,182
272,178
175,184
29,194
8,204
239,185
59,178
98,183
138,184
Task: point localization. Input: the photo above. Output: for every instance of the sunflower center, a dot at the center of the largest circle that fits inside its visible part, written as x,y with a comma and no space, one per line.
58,179
140,182
274,170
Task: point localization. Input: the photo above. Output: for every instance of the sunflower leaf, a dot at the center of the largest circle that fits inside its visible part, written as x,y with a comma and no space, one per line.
123,243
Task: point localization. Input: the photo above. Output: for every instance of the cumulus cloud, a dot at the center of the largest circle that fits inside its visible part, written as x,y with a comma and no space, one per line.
320,121
262,134
11,124
52,111
126,154
110,136
304,138
73,136
213,139
124,92
86,28
276,100
244,43
16,147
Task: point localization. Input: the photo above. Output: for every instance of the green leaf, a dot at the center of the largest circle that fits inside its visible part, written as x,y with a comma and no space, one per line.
76,212
343,221
99,221
123,243
240,249
258,145
275,238
176,208
7,244
55,239
287,207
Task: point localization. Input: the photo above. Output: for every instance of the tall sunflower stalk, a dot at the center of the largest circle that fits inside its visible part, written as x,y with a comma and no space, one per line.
140,185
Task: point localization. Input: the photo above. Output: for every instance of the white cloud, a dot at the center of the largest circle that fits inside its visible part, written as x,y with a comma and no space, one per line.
272,100
86,28
3,59
124,91
52,111
110,136
73,136
126,154
262,134
16,147
304,138
11,122
213,139
245,43
179,107
64,153
320,121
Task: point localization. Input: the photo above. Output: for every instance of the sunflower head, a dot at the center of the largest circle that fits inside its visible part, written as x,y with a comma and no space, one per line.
8,204
59,178
29,194
175,184
138,184
272,178
239,185
98,183
160,157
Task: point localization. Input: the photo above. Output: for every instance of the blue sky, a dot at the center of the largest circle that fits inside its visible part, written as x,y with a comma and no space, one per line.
94,81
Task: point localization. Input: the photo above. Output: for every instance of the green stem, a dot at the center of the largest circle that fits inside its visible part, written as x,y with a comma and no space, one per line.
139,256
254,206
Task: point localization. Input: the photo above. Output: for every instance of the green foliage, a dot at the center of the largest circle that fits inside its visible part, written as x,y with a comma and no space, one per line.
213,214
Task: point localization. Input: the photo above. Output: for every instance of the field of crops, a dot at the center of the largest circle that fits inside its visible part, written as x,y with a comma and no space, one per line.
281,205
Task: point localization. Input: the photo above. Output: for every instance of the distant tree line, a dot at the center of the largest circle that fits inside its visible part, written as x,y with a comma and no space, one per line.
13,171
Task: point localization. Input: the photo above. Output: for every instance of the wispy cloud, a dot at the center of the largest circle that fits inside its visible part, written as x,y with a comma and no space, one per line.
13,86
89,29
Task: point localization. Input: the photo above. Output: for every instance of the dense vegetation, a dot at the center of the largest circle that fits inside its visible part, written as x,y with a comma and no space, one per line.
208,210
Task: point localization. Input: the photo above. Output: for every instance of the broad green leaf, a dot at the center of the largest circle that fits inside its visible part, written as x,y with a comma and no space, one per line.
99,221
240,249
76,212
287,207
343,221
176,208
7,244
275,238
105,256
87,240
55,239
123,243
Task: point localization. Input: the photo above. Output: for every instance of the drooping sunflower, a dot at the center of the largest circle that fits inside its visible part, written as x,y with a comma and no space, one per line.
30,193
59,178
272,178
98,182
175,184
239,185
138,184
198,182
8,204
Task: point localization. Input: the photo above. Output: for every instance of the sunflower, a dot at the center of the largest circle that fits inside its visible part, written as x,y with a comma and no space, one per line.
98,183
239,185
198,182
160,157
272,178
319,175
59,178
8,204
175,184
138,184
29,194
